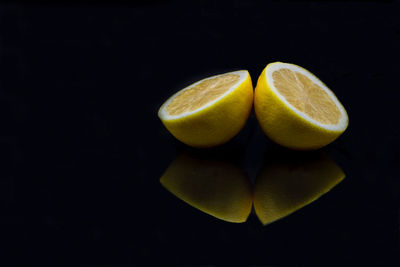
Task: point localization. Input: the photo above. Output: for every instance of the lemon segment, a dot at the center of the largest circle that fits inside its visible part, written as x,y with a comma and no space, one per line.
209,112
295,109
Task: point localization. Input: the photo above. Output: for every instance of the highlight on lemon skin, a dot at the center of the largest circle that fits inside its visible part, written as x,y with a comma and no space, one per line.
217,188
289,182
295,109
211,111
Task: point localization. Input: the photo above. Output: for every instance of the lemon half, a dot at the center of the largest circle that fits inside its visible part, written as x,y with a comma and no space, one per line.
295,109
211,111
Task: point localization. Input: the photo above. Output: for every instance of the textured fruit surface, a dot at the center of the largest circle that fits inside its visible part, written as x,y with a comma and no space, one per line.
295,109
209,112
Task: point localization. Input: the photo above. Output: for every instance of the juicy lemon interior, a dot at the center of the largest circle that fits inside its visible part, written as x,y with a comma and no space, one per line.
201,94
306,96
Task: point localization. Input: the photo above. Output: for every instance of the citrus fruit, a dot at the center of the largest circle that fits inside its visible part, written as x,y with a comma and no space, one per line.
287,184
295,109
211,111
215,187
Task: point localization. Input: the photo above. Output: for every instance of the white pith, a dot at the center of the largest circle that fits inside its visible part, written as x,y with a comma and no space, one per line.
164,115
271,68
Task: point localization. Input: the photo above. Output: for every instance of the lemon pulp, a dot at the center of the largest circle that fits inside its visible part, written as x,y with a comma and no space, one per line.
306,96
201,94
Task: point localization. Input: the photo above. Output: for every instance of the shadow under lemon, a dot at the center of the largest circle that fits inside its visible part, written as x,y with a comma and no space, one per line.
216,187
292,180
288,181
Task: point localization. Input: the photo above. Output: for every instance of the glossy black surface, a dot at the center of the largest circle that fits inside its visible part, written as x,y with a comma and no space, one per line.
83,151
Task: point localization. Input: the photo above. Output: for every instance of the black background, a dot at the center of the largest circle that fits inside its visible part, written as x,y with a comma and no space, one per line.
82,149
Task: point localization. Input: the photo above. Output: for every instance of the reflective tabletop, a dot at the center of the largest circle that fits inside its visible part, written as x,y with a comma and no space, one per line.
90,175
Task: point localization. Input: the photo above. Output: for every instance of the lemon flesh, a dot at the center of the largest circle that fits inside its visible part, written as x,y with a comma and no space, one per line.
217,188
306,96
209,112
295,109
287,184
201,94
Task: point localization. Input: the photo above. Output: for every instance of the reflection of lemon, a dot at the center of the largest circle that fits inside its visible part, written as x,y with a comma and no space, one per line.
295,109
287,185
211,111
216,188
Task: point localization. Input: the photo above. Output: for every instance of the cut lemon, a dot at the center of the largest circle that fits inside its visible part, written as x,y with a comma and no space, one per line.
217,188
295,109
211,111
